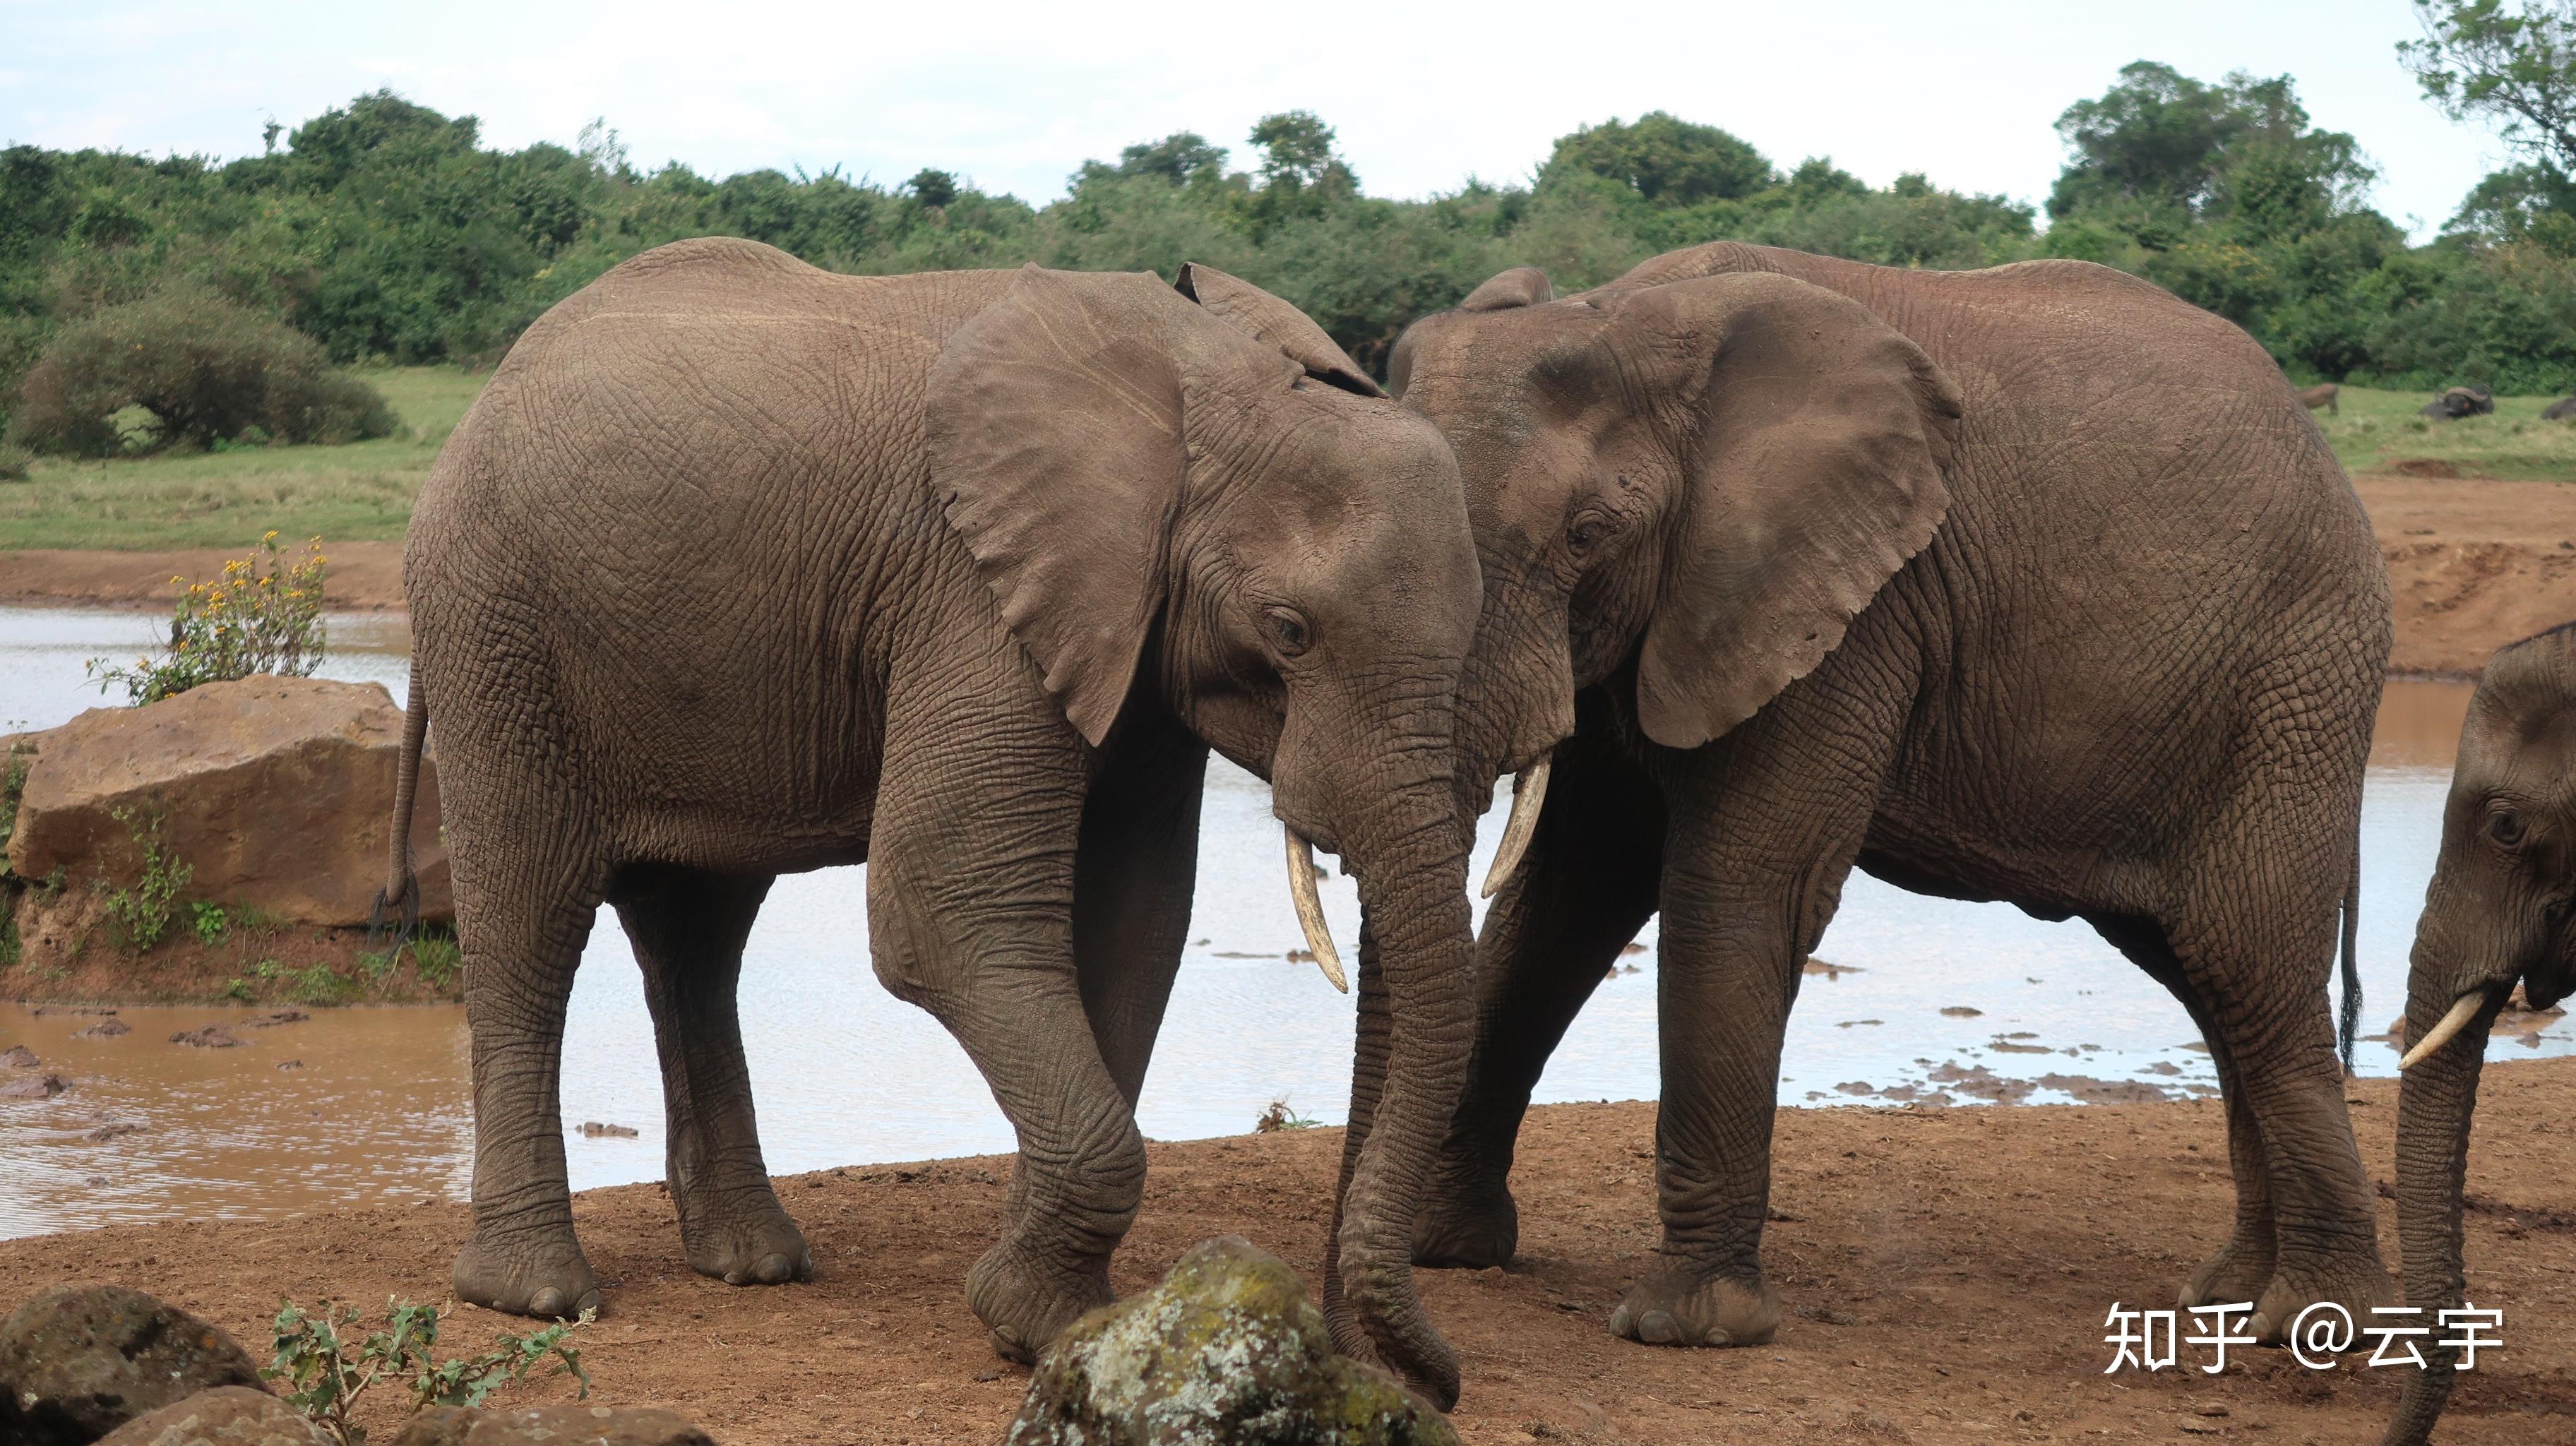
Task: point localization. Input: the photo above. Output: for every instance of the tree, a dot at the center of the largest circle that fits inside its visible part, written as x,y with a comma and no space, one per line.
1183,156
2160,139
932,188
2515,69
1665,160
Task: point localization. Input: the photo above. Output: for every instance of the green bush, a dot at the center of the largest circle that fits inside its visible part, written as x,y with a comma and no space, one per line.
207,370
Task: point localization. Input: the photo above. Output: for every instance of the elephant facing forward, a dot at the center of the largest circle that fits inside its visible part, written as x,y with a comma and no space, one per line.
2032,584
738,567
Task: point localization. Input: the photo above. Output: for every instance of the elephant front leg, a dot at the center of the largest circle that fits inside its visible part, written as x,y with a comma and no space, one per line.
688,929
970,915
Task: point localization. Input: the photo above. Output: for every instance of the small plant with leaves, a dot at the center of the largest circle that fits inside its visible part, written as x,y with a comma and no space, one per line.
326,1373
208,921
264,615
1280,1116
143,914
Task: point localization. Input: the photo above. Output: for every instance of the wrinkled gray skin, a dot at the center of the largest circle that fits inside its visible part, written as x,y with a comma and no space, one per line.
738,568
2129,679
2496,914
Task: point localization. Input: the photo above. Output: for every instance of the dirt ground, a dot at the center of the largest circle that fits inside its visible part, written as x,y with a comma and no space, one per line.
1948,1273
2473,565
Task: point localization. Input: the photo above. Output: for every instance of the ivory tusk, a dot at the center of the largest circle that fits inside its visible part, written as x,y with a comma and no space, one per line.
1529,793
2452,1023
1310,911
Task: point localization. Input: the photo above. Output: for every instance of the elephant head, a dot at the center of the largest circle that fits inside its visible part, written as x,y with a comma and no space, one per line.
1193,493
2501,910
1688,483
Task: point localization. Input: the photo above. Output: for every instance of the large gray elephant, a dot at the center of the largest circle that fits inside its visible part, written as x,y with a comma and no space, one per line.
2497,914
738,567
2032,584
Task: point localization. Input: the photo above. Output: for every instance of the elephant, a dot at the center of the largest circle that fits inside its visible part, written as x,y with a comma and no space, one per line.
2559,411
738,567
2497,913
2031,584
2323,394
2458,402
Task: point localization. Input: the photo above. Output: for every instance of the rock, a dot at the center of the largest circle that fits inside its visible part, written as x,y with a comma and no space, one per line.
226,1416
23,1086
77,1362
19,1056
105,1029
1225,1350
274,1018
594,1130
275,792
551,1426
290,1064
110,1131
212,1036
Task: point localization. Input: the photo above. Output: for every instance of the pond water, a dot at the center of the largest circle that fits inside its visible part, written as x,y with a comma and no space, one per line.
376,1108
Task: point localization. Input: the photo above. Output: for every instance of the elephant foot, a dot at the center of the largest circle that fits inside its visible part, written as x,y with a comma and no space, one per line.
1674,1307
549,1281
1027,1301
1466,1228
2238,1273
761,1247
2356,1286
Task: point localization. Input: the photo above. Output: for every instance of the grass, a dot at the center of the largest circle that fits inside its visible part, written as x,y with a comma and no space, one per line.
2378,430
361,492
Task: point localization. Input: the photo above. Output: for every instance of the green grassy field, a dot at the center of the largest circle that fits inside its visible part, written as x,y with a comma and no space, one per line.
2378,430
363,492
357,493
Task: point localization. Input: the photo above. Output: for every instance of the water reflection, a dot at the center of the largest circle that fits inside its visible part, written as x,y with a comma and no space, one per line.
1929,991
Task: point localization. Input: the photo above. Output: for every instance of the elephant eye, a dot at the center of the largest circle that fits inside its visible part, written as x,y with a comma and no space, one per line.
2505,827
1289,631
1586,531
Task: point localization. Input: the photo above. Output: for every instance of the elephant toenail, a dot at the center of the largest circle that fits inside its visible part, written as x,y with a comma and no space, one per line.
548,1302
774,1269
1658,1328
1622,1318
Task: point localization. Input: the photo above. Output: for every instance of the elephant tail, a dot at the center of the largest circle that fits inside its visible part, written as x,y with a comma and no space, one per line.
402,885
2349,1028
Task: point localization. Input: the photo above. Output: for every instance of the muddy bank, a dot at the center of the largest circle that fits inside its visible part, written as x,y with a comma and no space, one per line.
364,576
2473,565
1947,1274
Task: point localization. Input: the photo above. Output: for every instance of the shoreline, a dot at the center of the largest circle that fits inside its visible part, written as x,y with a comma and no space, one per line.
1944,1276
2472,565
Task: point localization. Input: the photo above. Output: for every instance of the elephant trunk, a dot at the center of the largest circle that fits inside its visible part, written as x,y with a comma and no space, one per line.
1416,1025
2436,1101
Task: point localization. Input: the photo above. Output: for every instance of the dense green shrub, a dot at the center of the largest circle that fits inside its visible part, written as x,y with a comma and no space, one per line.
205,369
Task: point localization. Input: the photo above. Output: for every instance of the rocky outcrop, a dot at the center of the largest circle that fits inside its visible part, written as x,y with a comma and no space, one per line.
229,1416
1225,1350
273,792
551,1426
77,1362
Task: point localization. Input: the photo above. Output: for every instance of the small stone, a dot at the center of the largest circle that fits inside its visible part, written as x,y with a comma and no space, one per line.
1961,1011
275,1018
290,1064
594,1130
212,1036
580,1425
19,1056
105,1029
33,1087
110,1131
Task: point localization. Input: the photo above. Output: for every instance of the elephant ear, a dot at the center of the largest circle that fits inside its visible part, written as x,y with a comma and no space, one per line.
1256,312
1815,442
1054,428
1520,286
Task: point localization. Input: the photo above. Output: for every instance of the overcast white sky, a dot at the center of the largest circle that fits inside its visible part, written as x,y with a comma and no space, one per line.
1015,95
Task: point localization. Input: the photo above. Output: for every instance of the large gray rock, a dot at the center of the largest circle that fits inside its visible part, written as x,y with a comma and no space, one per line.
77,1362
1225,1351
226,1416
275,792
551,1426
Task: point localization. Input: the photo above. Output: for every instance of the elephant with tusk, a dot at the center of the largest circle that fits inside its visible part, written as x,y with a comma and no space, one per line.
2497,914
738,567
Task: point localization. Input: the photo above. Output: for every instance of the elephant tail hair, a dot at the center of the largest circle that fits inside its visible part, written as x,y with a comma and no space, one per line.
402,885
2349,1026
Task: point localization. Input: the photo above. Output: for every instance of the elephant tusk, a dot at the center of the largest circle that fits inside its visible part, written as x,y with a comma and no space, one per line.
2452,1023
1529,793
1310,911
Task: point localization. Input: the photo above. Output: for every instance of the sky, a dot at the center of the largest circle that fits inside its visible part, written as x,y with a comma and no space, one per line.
1014,96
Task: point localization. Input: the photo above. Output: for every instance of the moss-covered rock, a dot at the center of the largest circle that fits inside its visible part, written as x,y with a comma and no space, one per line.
1225,1351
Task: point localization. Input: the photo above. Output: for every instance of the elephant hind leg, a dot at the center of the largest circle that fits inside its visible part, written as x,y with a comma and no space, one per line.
688,928
527,890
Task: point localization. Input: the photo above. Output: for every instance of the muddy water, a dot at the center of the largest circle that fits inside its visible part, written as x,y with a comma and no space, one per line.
845,1073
